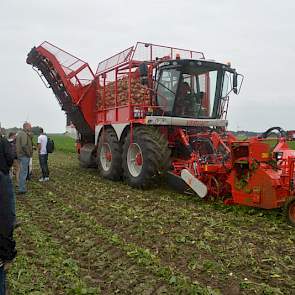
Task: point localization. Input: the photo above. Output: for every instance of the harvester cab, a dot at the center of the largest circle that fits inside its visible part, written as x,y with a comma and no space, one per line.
195,89
194,93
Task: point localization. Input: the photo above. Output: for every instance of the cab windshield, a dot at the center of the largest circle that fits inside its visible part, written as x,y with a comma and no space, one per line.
192,92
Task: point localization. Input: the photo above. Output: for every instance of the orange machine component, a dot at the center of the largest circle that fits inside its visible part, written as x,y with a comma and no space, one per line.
258,177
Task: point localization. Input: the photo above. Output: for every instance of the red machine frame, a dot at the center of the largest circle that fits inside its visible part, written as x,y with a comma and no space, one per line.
253,174
126,63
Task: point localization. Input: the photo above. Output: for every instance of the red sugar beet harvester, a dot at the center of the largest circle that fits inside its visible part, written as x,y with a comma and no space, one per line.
153,109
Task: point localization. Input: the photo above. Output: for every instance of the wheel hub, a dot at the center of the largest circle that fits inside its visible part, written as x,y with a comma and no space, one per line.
106,156
134,159
138,159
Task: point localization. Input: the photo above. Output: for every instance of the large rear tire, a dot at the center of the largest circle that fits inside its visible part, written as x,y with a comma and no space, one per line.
109,155
144,157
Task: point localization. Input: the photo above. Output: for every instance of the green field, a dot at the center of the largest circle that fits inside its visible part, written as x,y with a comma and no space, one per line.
82,234
63,143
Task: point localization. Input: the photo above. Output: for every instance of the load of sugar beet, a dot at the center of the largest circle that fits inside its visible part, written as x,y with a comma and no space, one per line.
139,93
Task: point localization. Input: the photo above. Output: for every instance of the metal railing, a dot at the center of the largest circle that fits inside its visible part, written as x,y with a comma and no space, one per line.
146,52
75,69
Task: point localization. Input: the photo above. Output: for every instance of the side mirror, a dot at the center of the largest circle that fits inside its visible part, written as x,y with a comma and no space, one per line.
235,83
143,73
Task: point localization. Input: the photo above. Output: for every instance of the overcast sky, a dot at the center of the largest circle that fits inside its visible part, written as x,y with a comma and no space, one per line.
258,37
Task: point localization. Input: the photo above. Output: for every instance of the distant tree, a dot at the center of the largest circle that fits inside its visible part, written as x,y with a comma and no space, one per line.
36,130
13,129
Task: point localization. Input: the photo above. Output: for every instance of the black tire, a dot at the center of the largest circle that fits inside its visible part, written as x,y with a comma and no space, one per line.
160,138
82,163
155,156
290,210
87,165
114,172
87,157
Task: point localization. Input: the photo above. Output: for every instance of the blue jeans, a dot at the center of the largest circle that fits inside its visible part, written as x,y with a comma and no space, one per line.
24,166
2,280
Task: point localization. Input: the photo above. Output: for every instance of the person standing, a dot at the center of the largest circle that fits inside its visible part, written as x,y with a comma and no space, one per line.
24,151
7,212
6,161
43,155
15,167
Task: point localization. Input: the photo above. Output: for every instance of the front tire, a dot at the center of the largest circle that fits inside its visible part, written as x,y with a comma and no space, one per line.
144,157
109,154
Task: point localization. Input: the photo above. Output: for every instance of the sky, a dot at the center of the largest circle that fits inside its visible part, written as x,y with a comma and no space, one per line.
257,37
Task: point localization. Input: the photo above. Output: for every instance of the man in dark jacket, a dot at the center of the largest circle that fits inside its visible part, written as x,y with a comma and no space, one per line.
24,151
7,211
6,157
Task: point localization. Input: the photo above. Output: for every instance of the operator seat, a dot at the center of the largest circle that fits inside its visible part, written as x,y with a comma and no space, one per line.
183,103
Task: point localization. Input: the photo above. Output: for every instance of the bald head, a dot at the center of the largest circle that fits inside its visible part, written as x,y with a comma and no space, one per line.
27,126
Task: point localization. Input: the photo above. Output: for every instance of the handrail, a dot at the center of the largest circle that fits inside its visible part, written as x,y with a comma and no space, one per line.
131,52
